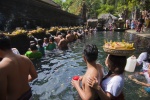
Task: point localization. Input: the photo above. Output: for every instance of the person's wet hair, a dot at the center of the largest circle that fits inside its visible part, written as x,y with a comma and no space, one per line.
69,32
63,35
5,43
51,39
117,63
40,42
58,33
33,46
90,52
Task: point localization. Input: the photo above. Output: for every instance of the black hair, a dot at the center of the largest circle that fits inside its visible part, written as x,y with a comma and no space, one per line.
69,31
5,43
90,52
51,39
117,63
33,46
40,42
58,33
63,35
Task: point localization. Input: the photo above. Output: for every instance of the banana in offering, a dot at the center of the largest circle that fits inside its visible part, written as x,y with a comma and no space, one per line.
119,45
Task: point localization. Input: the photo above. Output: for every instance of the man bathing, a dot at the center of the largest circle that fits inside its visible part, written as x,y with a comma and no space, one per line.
15,73
63,43
90,55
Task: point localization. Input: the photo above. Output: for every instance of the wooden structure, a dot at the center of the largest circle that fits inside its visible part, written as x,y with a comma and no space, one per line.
32,13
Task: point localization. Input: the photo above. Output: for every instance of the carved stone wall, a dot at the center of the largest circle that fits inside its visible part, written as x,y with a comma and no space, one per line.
31,13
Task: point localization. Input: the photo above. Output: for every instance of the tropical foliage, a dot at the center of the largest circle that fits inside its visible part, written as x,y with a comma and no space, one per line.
96,7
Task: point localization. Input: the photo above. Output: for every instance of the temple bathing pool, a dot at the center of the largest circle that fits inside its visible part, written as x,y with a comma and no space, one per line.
56,70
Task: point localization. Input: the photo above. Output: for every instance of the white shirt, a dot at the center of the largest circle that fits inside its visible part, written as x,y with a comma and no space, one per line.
141,59
15,51
113,85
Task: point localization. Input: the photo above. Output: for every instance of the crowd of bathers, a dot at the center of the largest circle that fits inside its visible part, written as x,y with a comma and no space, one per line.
95,85
58,41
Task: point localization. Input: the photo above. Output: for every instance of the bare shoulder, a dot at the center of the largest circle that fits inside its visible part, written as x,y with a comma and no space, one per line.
67,35
24,57
5,65
92,72
55,37
5,62
61,40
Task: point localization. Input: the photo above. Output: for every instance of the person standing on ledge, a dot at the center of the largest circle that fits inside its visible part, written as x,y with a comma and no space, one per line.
15,73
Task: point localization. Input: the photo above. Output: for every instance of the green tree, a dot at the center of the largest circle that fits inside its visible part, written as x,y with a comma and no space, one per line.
106,9
96,7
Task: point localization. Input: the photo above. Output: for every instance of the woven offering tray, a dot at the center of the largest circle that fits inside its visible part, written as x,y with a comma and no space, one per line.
119,52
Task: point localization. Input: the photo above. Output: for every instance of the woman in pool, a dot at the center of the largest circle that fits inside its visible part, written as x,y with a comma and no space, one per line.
147,77
144,59
112,84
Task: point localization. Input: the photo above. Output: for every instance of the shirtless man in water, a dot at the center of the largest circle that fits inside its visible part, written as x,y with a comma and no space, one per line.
15,73
70,37
63,43
90,55
58,37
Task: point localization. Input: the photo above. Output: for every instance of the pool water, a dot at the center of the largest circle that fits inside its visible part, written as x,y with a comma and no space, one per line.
57,68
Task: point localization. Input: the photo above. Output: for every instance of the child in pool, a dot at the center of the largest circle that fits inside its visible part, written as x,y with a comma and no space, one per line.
33,53
90,55
45,42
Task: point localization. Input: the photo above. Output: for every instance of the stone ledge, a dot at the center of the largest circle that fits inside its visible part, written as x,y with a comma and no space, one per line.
143,34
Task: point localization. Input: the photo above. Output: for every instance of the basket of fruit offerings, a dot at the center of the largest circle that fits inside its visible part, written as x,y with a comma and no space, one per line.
119,48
